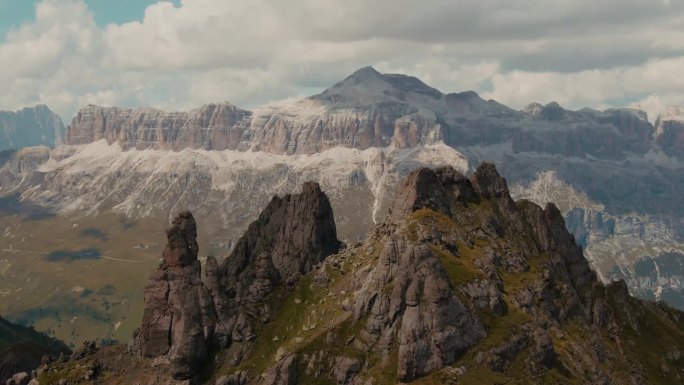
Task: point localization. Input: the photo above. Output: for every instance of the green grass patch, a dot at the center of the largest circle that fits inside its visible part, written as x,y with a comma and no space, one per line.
459,273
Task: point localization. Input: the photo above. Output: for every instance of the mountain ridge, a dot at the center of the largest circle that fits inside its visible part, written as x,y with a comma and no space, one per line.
369,109
460,284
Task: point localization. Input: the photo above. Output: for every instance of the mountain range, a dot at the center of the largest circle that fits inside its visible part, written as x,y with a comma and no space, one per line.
460,284
84,216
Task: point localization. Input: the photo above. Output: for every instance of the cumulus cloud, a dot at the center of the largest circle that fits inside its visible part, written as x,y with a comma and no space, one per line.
608,52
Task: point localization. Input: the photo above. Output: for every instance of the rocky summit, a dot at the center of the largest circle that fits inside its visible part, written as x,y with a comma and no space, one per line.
292,235
179,313
184,316
459,285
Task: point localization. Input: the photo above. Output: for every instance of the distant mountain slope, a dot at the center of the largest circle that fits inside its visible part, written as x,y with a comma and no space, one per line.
21,349
37,126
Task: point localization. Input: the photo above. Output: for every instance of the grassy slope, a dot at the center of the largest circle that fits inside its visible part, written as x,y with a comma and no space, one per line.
84,299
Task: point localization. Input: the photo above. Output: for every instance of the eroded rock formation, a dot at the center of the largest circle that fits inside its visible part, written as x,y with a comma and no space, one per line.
179,313
292,235
184,316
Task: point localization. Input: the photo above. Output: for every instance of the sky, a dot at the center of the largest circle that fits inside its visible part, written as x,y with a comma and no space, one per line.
178,55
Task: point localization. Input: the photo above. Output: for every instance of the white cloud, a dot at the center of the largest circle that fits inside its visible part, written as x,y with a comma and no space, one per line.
657,78
252,52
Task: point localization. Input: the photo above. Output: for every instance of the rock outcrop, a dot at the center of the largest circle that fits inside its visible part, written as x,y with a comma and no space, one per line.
292,235
185,316
179,312
36,126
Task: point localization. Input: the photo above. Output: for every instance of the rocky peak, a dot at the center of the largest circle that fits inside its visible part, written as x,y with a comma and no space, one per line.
364,74
444,190
456,287
292,235
533,109
368,86
488,183
181,249
433,189
552,111
297,231
179,315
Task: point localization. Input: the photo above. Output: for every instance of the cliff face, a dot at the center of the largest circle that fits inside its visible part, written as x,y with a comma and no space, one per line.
608,134
212,127
179,316
292,236
370,109
459,285
37,126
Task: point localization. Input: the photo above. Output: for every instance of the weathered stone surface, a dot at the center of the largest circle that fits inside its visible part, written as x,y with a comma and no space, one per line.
345,370
239,378
437,190
531,337
283,373
669,132
292,235
572,275
433,327
211,127
179,312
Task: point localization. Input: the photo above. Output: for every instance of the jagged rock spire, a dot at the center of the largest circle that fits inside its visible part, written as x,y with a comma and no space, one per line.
179,312
293,234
